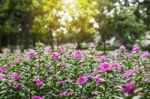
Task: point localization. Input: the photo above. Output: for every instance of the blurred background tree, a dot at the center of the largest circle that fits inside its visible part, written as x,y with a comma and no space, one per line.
54,22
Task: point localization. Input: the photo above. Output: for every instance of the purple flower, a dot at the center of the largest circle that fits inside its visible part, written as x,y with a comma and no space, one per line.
145,55
1,76
69,93
99,53
122,47
63,93
105,67
136,69
136,48
99,79
71,46
46,65
77,54
116,65
87,75
16,75
129,87
103,58
102,68
66,93
63,65
115,53
97,69
128,73
127,55
3,68
61,82
17,85
55,56
38,82
37,97
82,79
18,61
58,48
6,50
31,53
95,92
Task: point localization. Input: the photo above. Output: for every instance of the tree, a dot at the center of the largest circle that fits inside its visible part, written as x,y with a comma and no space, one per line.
63,21
105,22
15,19
129,28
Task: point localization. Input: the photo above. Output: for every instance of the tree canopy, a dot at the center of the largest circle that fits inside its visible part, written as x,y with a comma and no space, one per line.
24,22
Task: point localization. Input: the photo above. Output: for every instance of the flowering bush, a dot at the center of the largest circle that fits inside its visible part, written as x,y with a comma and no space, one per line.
43,73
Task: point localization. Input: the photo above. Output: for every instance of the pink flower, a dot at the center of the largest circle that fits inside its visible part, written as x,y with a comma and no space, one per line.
1,76
71,46
105,67
99,53
87,75
31,53
102,68
128,73
3,68
66,93
145,55
129,87
115,53
16,75
55,56
103,58
46,65
99,79
61,82
18,61
37,97
136,69
116,65
97,69
136,48
16,84
58,48
38,82
95,92
63,65
77,54
6,50
69,93
127,55
63,93
148,65
122,47
82,79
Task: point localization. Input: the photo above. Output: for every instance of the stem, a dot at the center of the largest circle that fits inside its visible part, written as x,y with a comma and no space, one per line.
81,90
105,85
105,90
55,72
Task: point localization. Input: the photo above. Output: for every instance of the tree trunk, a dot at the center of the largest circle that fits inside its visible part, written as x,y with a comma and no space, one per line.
78,45
0,43
104,44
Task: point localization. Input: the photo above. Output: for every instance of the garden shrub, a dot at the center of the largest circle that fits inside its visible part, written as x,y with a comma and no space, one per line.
67,73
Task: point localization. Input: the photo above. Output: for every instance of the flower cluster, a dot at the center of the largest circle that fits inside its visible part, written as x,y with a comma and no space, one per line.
64,72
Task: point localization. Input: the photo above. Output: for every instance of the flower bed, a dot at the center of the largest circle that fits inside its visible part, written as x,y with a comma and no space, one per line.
41,73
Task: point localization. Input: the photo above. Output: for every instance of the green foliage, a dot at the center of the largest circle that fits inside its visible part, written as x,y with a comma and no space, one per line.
61,21
67,73
129,27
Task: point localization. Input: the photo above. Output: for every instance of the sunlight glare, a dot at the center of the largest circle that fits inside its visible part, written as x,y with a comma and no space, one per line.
69,1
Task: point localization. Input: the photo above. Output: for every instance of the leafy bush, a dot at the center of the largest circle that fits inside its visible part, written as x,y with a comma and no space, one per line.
43,73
